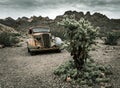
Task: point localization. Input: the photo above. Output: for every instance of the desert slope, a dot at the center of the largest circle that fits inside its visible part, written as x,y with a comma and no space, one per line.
4,28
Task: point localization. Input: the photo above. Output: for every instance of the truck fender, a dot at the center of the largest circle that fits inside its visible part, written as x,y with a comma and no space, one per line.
30,43
58,41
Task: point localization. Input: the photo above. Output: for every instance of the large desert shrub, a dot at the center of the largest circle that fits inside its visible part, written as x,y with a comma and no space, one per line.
112,37
81,69
8,39
81,36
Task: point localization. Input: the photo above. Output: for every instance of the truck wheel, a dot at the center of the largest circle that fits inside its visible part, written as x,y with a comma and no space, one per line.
58,51
30,52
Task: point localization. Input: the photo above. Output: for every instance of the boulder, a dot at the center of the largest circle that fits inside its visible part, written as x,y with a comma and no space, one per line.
1,46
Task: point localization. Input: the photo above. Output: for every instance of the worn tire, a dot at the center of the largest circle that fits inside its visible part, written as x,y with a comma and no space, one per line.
30,52
58,51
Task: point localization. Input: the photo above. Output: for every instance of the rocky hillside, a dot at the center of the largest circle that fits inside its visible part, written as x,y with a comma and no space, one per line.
4,28
9,22
97,19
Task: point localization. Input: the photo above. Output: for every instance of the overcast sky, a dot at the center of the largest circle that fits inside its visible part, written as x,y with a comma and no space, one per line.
52,8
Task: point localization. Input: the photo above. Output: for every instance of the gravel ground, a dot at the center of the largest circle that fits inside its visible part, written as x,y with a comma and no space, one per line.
20,70
109,55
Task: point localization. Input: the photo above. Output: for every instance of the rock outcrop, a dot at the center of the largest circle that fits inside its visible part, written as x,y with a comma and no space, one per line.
9,22
97,19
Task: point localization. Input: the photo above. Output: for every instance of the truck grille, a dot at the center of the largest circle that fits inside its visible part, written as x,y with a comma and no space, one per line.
46,40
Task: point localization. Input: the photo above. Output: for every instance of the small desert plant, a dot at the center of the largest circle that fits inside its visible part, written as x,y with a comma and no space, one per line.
111,38
8,39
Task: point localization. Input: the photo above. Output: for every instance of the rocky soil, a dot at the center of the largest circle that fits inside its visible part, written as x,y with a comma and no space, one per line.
109,55
18,69
4,28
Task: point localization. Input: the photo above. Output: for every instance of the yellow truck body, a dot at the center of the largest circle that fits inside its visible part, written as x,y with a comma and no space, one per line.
40,39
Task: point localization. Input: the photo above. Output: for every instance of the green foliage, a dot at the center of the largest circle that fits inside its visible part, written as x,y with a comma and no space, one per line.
111,38
91,74
82,69
80,35
8,39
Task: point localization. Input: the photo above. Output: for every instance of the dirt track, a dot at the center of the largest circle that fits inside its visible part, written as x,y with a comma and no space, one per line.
20,70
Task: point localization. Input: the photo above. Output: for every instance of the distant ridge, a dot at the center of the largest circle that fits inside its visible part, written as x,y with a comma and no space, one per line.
97,19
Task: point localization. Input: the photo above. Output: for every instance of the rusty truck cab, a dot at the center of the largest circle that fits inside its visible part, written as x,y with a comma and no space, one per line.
40,39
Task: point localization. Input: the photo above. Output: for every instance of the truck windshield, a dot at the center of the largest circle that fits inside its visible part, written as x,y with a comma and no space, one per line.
36,30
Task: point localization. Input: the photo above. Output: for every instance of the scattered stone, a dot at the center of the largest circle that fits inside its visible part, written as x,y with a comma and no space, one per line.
106,51
102,84
104,54
114,47
102,87
103,75
19,44
108,85
1,46
68,79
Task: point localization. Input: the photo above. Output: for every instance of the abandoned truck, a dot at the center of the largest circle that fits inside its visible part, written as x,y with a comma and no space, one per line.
40,39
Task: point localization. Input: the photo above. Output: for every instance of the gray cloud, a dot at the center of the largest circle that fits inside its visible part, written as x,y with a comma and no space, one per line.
51,8
20,4
35,3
